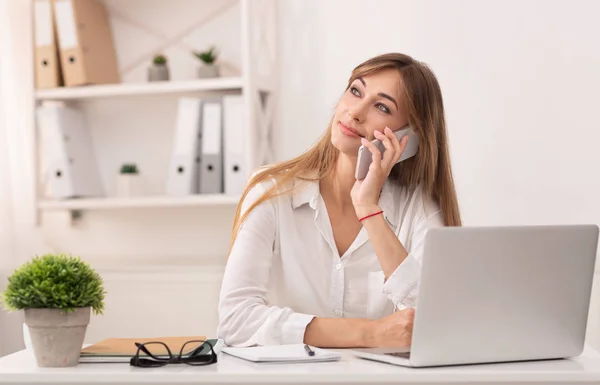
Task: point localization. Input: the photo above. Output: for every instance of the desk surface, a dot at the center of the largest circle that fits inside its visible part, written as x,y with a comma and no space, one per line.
20,368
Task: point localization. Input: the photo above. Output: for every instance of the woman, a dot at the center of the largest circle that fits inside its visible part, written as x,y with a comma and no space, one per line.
321,258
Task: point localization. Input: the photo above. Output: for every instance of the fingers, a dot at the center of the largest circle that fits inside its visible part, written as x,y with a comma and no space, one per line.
394,330
395,143
410,321
376,154
390,149
407,319
408,324
401,147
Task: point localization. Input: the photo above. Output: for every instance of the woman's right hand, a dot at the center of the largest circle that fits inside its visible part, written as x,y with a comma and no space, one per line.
394,330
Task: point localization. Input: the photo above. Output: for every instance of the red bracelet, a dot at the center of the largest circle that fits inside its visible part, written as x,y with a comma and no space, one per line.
370,215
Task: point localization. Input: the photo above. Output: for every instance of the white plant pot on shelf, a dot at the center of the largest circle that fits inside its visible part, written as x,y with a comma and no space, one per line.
158,73
129,185
208,71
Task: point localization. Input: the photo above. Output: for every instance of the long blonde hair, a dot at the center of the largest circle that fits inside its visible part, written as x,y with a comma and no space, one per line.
429,169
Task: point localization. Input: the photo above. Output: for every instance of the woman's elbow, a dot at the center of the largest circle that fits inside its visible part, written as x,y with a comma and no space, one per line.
234,333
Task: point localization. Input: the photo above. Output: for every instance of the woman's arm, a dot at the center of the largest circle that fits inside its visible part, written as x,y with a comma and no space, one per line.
391,331
337,332
245,319
401,267
388,248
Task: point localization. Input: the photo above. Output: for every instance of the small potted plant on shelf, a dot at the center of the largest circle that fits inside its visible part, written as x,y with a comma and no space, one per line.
128,183
57,293
159,70
209,68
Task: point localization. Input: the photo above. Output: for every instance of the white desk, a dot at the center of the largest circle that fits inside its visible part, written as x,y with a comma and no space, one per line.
20,368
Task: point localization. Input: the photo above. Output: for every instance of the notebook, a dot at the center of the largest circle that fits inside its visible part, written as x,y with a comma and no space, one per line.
281,353
123,349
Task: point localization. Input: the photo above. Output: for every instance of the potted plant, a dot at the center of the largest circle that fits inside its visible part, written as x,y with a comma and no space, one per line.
57,293
159,70
208,69
128,183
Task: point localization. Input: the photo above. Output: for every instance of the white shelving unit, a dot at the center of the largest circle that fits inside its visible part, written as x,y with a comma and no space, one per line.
133,121
138,89
139,202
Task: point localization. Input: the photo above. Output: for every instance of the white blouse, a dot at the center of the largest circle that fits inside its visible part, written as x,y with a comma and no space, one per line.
284,267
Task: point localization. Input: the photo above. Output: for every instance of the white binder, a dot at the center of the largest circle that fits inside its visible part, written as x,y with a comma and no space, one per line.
182,178
211,160
67,153
235,127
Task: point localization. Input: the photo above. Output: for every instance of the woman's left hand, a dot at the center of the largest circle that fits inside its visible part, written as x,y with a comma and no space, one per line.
365,192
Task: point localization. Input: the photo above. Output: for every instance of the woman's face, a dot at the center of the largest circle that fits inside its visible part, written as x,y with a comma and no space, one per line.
370,103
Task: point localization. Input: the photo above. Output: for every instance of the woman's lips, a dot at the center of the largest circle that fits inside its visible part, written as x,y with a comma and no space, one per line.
348,131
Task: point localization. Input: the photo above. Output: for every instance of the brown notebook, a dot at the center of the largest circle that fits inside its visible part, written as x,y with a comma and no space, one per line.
125,347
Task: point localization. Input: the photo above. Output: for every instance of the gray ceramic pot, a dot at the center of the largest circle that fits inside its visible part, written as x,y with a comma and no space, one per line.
56,336
158,73
208,71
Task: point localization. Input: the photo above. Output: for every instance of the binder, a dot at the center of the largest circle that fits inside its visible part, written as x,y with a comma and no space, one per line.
67,153
85,42
211,159
47,64
182,177
235,128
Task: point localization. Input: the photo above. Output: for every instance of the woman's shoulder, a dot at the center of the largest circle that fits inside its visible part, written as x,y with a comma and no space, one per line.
281,182
265,183
256,189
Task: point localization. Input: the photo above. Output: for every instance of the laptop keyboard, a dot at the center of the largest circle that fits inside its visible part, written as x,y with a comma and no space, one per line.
398,354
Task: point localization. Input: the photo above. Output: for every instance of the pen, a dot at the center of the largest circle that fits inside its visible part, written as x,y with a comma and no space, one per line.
309,351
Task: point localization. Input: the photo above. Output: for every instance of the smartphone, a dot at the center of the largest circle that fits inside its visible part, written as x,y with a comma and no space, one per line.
365,158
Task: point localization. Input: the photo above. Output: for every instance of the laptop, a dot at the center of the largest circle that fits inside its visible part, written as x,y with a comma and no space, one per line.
499,294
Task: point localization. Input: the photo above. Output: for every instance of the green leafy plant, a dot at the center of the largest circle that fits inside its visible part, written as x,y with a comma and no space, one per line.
54,281
159,60
129,168
208,57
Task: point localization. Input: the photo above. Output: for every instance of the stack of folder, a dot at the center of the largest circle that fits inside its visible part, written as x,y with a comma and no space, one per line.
73,44
117,350
209,154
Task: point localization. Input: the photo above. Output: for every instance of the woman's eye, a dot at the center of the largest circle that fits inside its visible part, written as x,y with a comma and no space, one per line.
354,91
383,108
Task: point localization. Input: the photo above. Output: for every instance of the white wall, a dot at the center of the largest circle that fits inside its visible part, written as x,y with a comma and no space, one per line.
520,100
520,81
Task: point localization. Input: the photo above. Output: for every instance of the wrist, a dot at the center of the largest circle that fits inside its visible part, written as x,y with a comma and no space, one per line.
363,211
367,336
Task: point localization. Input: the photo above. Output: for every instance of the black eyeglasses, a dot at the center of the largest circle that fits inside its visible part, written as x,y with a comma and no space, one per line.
199,356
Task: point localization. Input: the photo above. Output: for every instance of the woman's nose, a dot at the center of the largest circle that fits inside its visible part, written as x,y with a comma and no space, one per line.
356,113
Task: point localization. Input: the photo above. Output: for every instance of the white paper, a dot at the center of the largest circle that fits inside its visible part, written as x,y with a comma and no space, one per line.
281,353
65,23
43,23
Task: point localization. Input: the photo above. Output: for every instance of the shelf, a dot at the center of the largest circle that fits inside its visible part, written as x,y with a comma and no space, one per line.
132,89
140,202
